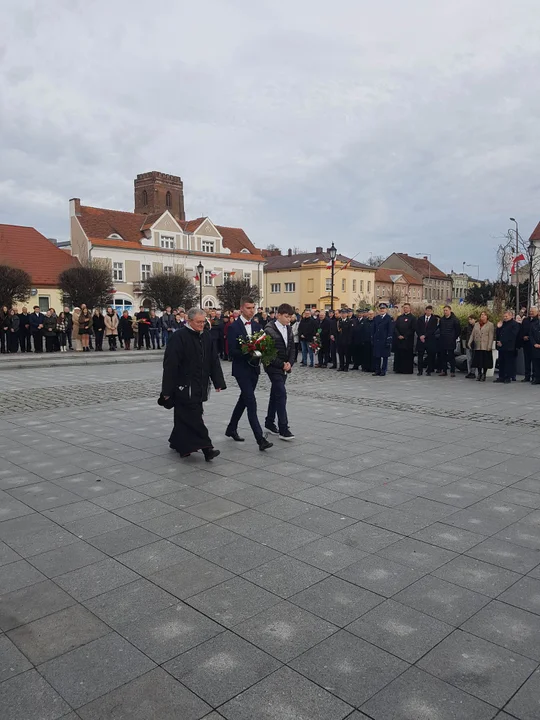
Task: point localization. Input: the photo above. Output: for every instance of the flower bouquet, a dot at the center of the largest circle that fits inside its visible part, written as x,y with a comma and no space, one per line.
315,344
259,347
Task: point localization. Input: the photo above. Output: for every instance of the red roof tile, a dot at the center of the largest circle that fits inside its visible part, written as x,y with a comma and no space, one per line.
26,248
423,266
291,262
383,275
536,234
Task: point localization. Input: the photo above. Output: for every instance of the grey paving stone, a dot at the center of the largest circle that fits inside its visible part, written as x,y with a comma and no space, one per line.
13,508
7,555
247,522
29,697
67,558
328,554
366,537
172,523
222,667
31,602
223,486
525,594
44,495
190,576
389,497
166,633
17,575
74,511
442,600
320,496
511,627
153,695
477,575
215,509
525,705
380,575
283,694
284,576
186,496
283,536
88,485
417,554
127,603
401,630
90,527
451,538
484,521
322,521
233,601
285,630
204,538
152,558
12,661
253,496
481,668
123,540
507,555
415,694
146,510
119,499
58,633
348,667
92,670
92,580
240,555
521,534
400,521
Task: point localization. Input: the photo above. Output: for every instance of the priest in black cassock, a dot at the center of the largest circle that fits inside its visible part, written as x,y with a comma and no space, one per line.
189,365
404,330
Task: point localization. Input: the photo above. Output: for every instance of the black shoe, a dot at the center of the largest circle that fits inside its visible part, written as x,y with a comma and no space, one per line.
376,374
507,382
535,382
498,380
470,376
286,435
210,453
420,373
428,374
333,367
272,428
526,379
234,435
264,444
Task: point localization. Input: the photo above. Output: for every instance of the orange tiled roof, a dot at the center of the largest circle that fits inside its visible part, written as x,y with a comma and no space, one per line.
382,275
26,248
536,233
423,266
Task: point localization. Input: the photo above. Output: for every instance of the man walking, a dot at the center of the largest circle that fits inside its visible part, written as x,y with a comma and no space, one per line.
246,371
281,333
382,333
404,330
426,331
507,332
189,364
449,333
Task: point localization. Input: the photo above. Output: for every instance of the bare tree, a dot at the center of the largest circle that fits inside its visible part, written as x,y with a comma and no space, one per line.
375,260
15,285
231,291
176,290
90,284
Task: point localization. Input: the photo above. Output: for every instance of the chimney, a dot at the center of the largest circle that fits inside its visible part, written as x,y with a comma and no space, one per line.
289,252
318,250
75,207
426,257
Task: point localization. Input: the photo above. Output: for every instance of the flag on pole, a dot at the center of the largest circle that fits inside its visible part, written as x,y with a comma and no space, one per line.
329,265
232,273
214,274
515,260
196,278
344,267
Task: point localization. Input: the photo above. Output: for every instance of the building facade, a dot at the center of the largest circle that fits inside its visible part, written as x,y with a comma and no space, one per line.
396,287
139,244
436,285
460,285
304,281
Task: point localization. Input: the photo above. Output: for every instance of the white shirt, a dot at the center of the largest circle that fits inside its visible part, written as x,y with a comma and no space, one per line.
283,330
247,325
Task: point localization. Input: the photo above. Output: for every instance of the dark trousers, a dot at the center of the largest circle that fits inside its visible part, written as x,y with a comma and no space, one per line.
404,361
37,337
3,341
536,369
144,335
380,365
247,401
277,403
112,342
426,360
12,342
366,353
50,343
333,352
25,341
356,356
324,352
507,364
343,354
99,339
448,357
62,339
527,361
68,336
154,337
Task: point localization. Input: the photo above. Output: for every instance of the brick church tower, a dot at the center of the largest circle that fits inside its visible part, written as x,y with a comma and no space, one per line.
156,192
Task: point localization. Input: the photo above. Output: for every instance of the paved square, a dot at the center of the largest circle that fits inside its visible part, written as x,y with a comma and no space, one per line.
385,565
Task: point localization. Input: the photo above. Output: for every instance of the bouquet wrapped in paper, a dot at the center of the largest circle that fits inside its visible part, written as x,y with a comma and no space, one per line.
260,347
315,344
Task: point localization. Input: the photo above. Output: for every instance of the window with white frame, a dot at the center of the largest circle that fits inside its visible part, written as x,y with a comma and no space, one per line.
146,271
208,279
354,285
118,271
343,285
275,287
290,287
168,269
226,276
369,286
247,276
207,246
361,286
328,284
167,241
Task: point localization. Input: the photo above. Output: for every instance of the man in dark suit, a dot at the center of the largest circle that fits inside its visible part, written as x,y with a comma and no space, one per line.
281,333
36,328
507,333
426,329
404,329
246,371
383,333
344,330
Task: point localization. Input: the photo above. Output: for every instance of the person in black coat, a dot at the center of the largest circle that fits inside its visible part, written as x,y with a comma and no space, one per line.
307,329
507,333
125,329
36,328
25,333
382,337
98,326
356,339
13,331
343,340
216,331
524,341
281,333
426,344
449,331
534,339
68,319
143,324
366,342
333,317
404,329
190,363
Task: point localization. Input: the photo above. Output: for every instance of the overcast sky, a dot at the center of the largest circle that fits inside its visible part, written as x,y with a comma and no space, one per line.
388,125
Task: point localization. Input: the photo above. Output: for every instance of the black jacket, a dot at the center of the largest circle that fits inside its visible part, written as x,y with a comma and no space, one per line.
125,327
98,323
524,332
429,330
49,326
326,329
285,353
307,329
507,336
344,330
534,335
189,364
449,332
24,320
366,331
405,326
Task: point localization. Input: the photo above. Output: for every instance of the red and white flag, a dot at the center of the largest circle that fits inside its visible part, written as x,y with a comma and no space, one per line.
232,273
214,274
344,267
515,260
329,265
196,278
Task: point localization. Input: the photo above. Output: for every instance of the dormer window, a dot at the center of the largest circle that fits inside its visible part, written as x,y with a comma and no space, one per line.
245,251
208,246
115,236
167,241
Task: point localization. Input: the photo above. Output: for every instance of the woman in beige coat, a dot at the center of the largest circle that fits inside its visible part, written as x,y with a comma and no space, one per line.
111,327
75,329
481,341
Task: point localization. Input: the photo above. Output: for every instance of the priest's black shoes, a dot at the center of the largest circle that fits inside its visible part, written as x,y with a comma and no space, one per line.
210,453
264,444
234,435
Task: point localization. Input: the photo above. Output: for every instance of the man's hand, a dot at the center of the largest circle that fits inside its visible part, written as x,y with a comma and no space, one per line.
218,389
401,337
422,338
287,366
166,397
537,345
332,337
526,337
499,343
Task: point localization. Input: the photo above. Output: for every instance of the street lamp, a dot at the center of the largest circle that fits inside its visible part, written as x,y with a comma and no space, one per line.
517,273
200,271
477,269
333,254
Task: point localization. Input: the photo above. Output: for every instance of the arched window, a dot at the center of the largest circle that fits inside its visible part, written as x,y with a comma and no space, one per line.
144,197
168,199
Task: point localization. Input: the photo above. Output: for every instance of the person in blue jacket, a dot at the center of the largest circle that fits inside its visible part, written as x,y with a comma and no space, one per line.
382,333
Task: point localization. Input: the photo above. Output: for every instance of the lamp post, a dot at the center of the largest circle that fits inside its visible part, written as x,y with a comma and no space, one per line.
333,254
200,271
517,273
